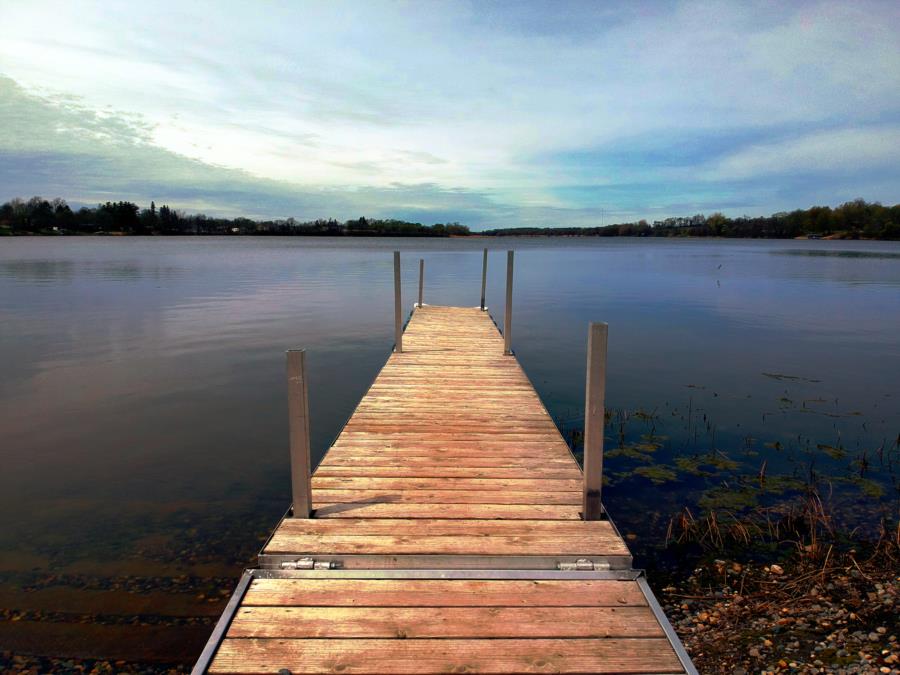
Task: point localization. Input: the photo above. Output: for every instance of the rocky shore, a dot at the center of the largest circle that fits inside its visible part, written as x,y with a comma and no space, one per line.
814,612
778,590
11,664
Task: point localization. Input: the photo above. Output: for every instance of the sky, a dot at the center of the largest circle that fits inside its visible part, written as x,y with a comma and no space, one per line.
492,114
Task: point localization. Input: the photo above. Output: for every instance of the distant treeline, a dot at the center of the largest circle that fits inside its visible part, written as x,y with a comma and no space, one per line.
851,220
42,216
856,219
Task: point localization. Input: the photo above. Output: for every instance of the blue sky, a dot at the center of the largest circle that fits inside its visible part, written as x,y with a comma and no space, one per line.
492,114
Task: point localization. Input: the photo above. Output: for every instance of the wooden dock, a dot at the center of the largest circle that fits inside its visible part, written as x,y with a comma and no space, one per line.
445,535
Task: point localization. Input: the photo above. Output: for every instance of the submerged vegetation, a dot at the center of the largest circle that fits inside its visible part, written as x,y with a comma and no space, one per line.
852,220
769,556
734,480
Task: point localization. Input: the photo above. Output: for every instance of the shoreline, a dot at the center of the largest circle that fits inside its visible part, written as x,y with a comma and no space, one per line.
809,614
476,235
820,601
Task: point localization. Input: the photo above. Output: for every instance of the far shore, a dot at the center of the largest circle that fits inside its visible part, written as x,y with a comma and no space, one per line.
857,219
835,236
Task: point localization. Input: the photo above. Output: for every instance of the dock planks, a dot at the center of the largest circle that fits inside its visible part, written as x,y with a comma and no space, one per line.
441,626
450,421
450,462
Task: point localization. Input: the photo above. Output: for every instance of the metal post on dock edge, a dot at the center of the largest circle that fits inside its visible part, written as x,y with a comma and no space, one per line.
421,279
483,278
298,425
507,321
398,310
594,419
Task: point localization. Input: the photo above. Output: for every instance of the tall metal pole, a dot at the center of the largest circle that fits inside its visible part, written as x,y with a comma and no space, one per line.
483,278
594,412
421,279
298,425
507,322
398,311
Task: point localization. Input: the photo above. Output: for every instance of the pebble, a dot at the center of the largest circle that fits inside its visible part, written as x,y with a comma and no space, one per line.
832,626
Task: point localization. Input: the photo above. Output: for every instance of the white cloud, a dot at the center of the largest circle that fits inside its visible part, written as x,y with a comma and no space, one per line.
457,95
844,150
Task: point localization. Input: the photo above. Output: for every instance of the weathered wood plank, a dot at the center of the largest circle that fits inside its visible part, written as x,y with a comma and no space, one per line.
420,657
448,511
480,446
448,433
497,544
442,471
443,593
444,622
505,484
446,527
348,459
571,498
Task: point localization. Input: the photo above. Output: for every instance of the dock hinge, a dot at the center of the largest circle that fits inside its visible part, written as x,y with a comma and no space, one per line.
310,564
582,565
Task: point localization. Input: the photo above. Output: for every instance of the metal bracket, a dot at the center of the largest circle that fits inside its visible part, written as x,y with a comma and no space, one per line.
362,561
663,620
582,565
218,634
310,564
530,575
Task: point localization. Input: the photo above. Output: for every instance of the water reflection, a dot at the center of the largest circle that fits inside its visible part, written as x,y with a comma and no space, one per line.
890,255
142,402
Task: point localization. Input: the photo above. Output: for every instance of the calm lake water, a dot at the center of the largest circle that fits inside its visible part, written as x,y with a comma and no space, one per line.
143,415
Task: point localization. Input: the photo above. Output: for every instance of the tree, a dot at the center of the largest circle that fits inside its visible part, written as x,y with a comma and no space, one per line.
716,224
119,216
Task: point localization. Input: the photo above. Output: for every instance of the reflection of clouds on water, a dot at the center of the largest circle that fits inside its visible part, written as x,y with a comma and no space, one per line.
67,270
152,369
37,270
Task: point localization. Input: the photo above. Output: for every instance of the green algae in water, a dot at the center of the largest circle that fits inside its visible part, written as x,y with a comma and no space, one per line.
781,484
692,465
629,453
732,499
658,473
721,462
869,487
635,452
697,464
831,451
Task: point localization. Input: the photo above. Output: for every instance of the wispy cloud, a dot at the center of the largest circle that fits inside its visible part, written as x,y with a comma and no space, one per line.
842,150
58,148
498,114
